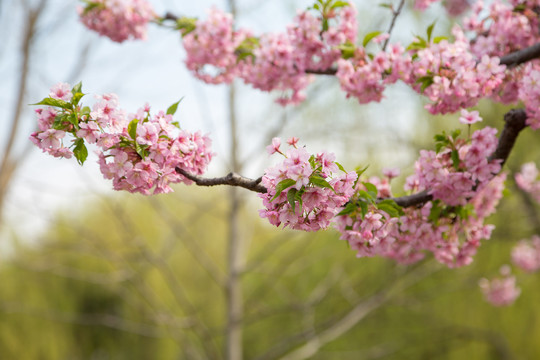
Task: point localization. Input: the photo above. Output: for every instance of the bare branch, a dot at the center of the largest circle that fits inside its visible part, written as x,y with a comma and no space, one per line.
231,179
522,56
515,121
393,22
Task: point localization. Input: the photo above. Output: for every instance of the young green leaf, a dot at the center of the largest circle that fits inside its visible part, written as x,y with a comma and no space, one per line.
390,207
80,151
348,209
455,159
172,109
340,167
77,88
55,102
320,182
132,128
372,189
430,31
370,37
339,4
282,185
291,198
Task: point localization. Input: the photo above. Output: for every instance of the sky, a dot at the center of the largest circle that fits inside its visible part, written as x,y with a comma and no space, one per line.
152,71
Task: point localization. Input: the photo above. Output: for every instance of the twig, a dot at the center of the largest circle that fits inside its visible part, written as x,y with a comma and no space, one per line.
394,18
231,179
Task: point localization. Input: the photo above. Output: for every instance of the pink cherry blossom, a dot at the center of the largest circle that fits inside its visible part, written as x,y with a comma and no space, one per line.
469,118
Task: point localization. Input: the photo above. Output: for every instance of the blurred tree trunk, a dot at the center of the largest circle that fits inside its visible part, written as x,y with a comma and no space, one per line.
235,253
10,161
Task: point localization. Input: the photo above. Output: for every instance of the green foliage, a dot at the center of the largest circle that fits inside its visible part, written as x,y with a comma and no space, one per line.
171,110
80,151
112,281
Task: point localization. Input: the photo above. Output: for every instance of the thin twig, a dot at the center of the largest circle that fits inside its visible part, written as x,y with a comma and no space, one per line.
393,23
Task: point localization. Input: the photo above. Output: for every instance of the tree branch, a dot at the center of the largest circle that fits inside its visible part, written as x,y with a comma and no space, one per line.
231,179
521,56
393,22
515,121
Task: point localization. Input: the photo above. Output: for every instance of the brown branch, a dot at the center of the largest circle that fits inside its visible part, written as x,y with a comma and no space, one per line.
515,121
393,22
231,179
521,56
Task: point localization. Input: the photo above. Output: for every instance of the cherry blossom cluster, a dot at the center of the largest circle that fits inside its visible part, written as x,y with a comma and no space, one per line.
365,76
450,76
305,191
506,28
526,254
211,47
527,180
139,152
119,20
217,53
453,7
460,169
501,291
529,93
452,234
465,191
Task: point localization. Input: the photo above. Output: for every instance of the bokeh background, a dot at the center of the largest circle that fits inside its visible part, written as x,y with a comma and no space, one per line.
88,273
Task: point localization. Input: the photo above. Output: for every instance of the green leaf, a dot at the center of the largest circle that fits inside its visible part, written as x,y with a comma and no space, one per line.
430,31
360,171
372,189
387,5
80,151
320,182
325,25
291,198
347,50
455,134
390,207
312,162
340,167
438,39
370,37
364,208
132,128
282,185
172,109
142,150
455,159
55,102
419,44
186,25
339,4
368,197
73,119
440,137
77,88
85,110
59,120
348,209
435,212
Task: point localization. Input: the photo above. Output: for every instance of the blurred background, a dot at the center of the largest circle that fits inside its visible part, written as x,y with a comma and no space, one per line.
88,273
